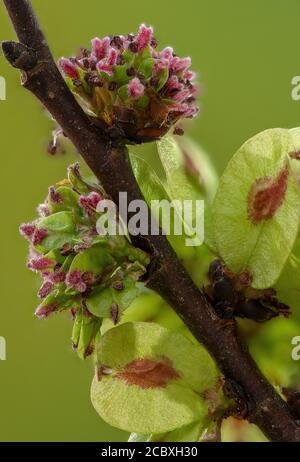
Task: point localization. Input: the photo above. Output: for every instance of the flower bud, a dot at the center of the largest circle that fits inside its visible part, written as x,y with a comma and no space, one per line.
43,210
167,53
57,276
100,47
89,203
46,289
105,68
40,264
44,311
27,230
135,89
54,196
144,37
68,68
74,280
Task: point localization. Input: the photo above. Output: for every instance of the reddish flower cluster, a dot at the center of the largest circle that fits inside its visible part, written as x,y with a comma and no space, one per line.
74,262
127,84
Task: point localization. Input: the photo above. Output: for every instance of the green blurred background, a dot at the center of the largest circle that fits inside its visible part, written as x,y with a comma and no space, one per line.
246,53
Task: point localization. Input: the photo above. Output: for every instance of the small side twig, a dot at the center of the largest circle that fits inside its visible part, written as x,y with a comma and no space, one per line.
20,56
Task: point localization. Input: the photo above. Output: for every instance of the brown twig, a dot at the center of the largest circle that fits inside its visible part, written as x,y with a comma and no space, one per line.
167,276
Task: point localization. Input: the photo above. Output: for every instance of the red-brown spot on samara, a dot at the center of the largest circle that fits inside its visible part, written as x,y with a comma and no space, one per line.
148,373
266,196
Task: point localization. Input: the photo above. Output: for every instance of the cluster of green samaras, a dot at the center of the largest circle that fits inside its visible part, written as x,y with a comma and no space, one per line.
134,92
92,275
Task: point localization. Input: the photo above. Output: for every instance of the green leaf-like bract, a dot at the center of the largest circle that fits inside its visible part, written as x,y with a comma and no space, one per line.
154,190
139,403
189,172
256,209
101,301
190,176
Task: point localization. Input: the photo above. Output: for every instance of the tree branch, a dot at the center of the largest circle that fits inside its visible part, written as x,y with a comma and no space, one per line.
167,276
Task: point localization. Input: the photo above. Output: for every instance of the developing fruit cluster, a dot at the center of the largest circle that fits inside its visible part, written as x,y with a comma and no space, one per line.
91,275
132,91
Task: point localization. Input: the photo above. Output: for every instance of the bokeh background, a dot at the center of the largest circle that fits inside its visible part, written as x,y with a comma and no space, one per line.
246,53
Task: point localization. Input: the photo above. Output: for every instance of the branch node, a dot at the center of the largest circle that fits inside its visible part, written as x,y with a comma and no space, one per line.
19,55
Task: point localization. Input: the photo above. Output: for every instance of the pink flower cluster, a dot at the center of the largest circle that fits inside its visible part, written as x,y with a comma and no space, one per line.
132,68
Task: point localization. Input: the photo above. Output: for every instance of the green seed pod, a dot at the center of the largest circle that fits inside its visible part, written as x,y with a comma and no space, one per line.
77,329
89,328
